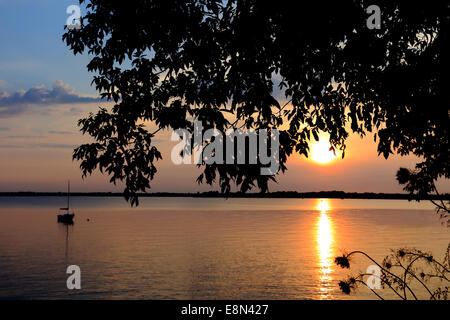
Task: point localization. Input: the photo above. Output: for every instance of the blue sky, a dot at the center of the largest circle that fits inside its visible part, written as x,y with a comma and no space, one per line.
32,51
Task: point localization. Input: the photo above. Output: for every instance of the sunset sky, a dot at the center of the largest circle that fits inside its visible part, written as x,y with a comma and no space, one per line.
44,90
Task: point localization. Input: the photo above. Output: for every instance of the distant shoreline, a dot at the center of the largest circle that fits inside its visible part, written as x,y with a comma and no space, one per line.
214,194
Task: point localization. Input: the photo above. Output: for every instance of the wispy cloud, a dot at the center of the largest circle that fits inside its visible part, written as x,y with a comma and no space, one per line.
39,145
24,137
60,132
20,102
57,145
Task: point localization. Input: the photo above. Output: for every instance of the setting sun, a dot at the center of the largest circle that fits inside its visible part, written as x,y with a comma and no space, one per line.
320,151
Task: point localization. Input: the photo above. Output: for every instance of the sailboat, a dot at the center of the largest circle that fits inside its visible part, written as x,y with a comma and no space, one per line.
65,216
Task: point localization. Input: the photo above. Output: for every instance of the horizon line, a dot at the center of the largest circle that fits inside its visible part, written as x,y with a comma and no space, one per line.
217,194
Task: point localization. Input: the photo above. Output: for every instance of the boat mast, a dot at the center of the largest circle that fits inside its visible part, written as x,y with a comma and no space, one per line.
68,193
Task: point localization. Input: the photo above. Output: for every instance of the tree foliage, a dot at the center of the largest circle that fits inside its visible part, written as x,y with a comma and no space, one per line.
409,273
262,65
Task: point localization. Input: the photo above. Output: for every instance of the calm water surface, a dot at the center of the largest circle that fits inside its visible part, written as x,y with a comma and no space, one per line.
188,248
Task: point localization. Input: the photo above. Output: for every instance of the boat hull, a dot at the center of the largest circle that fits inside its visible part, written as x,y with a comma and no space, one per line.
66,218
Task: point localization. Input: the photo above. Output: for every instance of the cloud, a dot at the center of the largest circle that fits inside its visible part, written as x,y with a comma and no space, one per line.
57,146
60,132
74,111
60,93
24,137
39,145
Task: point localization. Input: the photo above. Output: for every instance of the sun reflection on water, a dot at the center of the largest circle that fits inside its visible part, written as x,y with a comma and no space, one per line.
323,206
324,238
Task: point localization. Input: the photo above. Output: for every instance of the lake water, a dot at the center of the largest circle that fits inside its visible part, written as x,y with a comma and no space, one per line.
194,248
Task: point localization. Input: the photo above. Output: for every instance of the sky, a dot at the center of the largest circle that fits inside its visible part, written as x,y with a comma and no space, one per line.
45,89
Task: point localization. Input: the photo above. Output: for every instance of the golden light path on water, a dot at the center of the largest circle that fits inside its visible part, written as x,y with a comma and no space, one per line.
324,238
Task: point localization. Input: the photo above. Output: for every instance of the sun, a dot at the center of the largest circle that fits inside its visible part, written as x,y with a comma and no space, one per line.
320,151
